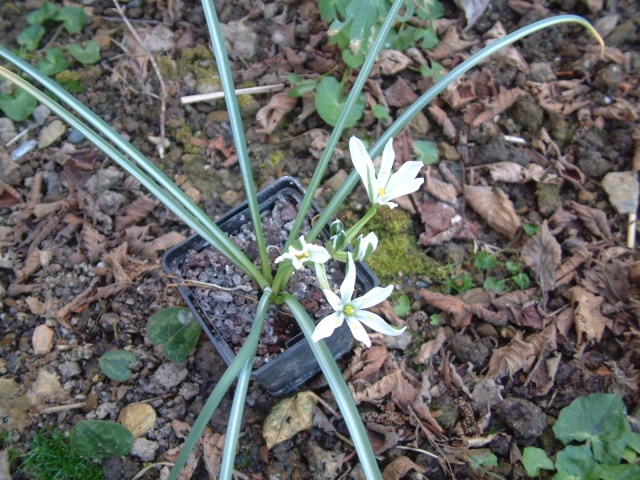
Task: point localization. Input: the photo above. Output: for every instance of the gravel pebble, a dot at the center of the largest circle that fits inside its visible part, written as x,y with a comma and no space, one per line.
69,369
170,375
145,449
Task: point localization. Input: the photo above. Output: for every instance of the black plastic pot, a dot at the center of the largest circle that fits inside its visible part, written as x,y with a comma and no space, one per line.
296,364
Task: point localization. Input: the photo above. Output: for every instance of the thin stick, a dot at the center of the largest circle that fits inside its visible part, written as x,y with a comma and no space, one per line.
631,231
63,408
203,97
163,89
418,450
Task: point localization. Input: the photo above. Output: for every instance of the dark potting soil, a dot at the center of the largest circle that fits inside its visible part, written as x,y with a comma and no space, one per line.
232,308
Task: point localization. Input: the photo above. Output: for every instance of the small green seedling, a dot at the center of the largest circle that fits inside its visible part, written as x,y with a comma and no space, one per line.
300,87
17,106
47,11
380,112
403,307
610,449
100,439
435,71
30,37
435,320
88,55
54,62
494,285
484,261
330,101
117,364
176,329
481,458
72,18
529,229
427,152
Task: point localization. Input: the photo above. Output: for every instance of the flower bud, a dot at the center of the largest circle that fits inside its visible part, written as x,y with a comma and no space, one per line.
365,246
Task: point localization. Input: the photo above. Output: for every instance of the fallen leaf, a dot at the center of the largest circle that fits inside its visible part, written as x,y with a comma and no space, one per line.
392,62
161,243
324,464
400,93
511,172
507,361
136,211
589,322
241,40
461,310
399,468
365,363
212,449
609,279
635,135
138,418
543,254
288,417
593,219
460,93
155,40
31,265
47,388
498,104
473,10
383,437
449,44
42,340
493,205
620,110
579,255
448,128
270,116
431,347
441,190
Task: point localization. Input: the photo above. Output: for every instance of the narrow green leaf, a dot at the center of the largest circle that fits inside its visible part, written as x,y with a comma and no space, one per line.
329,103
100,439
117,364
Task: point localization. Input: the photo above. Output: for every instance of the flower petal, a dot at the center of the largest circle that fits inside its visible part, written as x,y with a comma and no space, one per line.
372,297
333,299
388,157
375,322
364,166
404,181
326,326
358,331
318,254
349,283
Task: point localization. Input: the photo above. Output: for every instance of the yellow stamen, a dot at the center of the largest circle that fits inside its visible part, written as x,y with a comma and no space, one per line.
349,310
303,256
381,191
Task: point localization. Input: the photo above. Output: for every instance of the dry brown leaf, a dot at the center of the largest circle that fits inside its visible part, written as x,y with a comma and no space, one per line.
324,464
270,116
392,62
507,361
461,310
94,242
461,92
448,128
589,322
399,468
504,100
449,44
431,348
522,310
558,97
636,149
117,259
155,40
31,266
400,93
441,190
45,209
620,110
190,466
610,279
377,390
579,255
134,212
511,172
543,254
493,205
14,403
366,363
288,417
320,420
212,448
161,243
593,219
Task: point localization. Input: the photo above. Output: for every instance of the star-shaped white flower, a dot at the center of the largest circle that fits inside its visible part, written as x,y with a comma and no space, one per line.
353,310
385,186
306,253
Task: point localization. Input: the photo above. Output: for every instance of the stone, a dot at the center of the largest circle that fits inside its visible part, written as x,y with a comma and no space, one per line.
189,390
139,418
40,114
42,340
50,134
7,129
398,342
524,418
69,369
622,188
145,449
107,409
170,375
75,136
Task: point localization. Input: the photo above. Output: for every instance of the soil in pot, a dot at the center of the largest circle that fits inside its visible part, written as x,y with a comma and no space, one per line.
232,298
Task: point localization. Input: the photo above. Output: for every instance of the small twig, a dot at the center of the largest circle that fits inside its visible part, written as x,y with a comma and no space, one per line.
516,140
203,97
62,408
631,231
163,90
328,407
240,475
17,137
148,467
417,450
52,39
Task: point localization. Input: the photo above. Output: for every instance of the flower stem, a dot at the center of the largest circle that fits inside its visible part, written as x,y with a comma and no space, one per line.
353,231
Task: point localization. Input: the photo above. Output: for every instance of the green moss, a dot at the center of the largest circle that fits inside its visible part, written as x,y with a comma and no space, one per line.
167,67
70,81
398,250
183,135
199,61
275,158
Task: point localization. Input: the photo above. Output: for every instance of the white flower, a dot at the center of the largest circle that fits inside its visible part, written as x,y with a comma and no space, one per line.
353,311
365,246
307,253
386,186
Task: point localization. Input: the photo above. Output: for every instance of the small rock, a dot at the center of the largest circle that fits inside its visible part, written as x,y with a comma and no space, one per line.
336,181
69,369
23,149
42,340
105,410
40,114
542,72
399,342
523,417
50,134
230,197
144,449
549,199
170,375
139,418
189,390
7,129
103,39
622,188
75,136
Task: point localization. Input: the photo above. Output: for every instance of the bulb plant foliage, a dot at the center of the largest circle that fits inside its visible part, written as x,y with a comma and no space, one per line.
300,252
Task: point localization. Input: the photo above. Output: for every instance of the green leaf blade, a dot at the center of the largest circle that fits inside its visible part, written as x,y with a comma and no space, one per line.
54,62
535,459
117,364
88,55
72,18
30,37
176,329
19,106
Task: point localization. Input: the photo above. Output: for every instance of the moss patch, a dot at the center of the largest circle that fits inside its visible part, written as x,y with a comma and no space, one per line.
398,251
